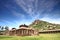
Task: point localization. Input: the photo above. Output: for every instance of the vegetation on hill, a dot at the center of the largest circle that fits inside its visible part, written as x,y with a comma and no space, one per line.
43,25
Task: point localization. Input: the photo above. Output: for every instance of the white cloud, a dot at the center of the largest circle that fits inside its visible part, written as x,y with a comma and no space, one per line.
55,21
10,24
35,7
19,15
19,22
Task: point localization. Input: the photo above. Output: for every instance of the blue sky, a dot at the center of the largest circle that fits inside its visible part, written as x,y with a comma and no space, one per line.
16,12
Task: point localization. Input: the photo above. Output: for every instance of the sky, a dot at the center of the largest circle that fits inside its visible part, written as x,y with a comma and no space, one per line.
16,12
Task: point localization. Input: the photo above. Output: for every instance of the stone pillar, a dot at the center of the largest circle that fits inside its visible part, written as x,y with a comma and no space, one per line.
27,32
22,32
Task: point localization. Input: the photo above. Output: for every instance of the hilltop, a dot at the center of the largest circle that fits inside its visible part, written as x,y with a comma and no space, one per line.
43,25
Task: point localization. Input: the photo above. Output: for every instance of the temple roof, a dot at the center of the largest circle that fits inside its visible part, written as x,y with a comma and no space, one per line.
23,25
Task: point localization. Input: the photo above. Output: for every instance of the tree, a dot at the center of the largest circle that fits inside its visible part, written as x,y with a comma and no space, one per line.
2,28
6,28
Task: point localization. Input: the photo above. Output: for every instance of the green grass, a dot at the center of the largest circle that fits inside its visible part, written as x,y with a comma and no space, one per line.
55,36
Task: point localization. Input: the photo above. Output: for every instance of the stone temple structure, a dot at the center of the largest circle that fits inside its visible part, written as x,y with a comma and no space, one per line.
23,30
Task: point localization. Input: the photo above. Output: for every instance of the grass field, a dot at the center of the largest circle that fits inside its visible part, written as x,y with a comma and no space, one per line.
55,36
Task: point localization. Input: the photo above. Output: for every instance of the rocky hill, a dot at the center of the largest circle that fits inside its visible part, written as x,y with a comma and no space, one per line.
43,25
